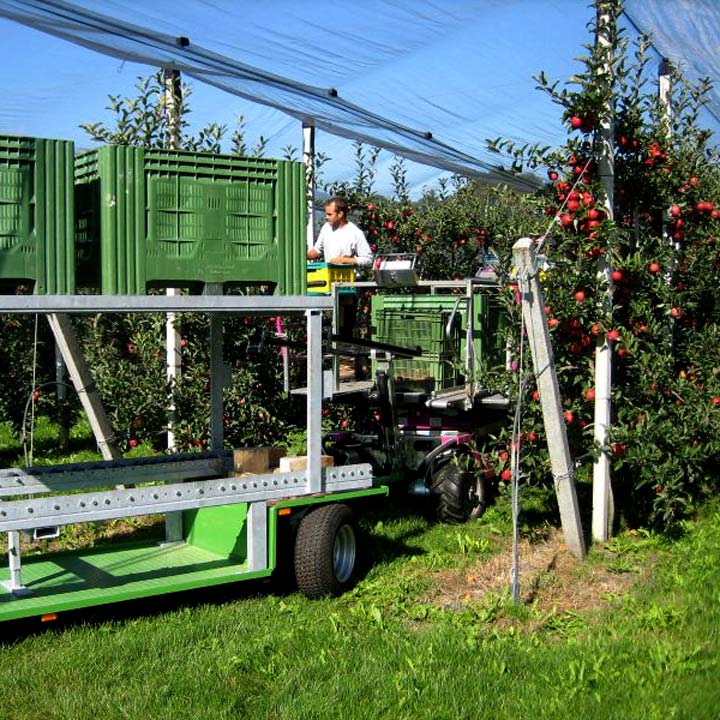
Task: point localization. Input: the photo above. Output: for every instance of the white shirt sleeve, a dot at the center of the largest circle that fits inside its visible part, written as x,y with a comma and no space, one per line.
363,253
320,242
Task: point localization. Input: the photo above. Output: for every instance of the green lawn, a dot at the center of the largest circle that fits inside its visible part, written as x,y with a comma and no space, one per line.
401,644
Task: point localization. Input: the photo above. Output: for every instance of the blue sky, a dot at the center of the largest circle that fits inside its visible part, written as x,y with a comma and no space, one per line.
462,69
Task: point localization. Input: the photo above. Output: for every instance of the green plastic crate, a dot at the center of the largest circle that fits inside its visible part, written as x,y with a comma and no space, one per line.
173,218
426,328
429,372
36,214
421,320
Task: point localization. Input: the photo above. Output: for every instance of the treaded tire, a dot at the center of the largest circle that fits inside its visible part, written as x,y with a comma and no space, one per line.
462,494
326,551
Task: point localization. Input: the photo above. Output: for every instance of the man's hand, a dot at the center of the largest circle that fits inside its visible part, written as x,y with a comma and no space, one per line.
342,260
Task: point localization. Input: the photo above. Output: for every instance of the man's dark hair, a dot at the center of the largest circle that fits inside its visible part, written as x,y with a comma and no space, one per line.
340,203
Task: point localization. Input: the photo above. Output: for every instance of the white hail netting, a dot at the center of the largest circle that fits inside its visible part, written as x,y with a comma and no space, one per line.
686,32
461,71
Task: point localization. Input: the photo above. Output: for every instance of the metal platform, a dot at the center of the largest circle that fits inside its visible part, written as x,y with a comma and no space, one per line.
343,389
458,399
69,581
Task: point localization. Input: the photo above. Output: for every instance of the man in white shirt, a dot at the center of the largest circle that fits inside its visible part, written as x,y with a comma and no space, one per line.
340,241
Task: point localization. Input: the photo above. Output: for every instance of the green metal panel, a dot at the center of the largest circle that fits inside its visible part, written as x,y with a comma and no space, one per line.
68,581
36,213
221,530
175,218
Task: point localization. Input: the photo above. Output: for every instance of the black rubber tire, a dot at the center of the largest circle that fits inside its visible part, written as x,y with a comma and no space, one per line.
326,551
462,494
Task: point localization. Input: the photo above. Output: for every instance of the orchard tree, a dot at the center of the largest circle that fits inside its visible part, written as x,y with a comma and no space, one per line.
662,243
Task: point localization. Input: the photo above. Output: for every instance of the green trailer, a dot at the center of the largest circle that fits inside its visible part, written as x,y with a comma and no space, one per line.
229,531
223,514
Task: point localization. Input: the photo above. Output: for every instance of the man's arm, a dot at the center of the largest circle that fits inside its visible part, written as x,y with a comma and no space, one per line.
318,249
364,253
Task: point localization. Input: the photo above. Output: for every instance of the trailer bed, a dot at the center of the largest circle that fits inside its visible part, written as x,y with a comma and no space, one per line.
71,580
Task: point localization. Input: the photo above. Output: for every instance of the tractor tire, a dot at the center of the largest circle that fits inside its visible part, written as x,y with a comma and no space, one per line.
462,495
326,551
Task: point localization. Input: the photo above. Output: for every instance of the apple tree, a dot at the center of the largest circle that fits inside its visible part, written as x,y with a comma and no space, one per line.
661,243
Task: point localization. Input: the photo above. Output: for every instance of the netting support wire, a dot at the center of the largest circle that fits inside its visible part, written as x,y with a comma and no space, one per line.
29,456
515,469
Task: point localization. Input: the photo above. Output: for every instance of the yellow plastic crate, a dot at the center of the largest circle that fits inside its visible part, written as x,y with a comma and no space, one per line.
321,276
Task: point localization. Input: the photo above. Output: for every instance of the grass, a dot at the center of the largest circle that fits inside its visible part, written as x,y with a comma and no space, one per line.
81,446
420,636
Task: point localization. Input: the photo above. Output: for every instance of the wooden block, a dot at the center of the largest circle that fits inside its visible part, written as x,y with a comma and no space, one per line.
257,461
296,464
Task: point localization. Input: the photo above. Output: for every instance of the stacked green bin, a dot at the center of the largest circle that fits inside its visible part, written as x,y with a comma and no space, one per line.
36,214
173,218
439,365
422,320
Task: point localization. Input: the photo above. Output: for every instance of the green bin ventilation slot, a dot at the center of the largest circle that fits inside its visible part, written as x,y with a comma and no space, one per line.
164,218
36,214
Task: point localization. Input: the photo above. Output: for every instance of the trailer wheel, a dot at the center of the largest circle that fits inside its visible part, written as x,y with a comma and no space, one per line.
326,551
462,493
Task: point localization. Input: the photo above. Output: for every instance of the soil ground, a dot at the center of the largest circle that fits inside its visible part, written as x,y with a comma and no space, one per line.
550,578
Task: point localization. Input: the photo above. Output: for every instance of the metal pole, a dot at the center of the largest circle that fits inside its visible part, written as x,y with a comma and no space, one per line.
314,399
309,160
665,73
173,104
218,372
14,585
602,516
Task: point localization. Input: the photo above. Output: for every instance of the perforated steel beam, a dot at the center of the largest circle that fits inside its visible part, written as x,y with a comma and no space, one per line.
252,304
27,514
